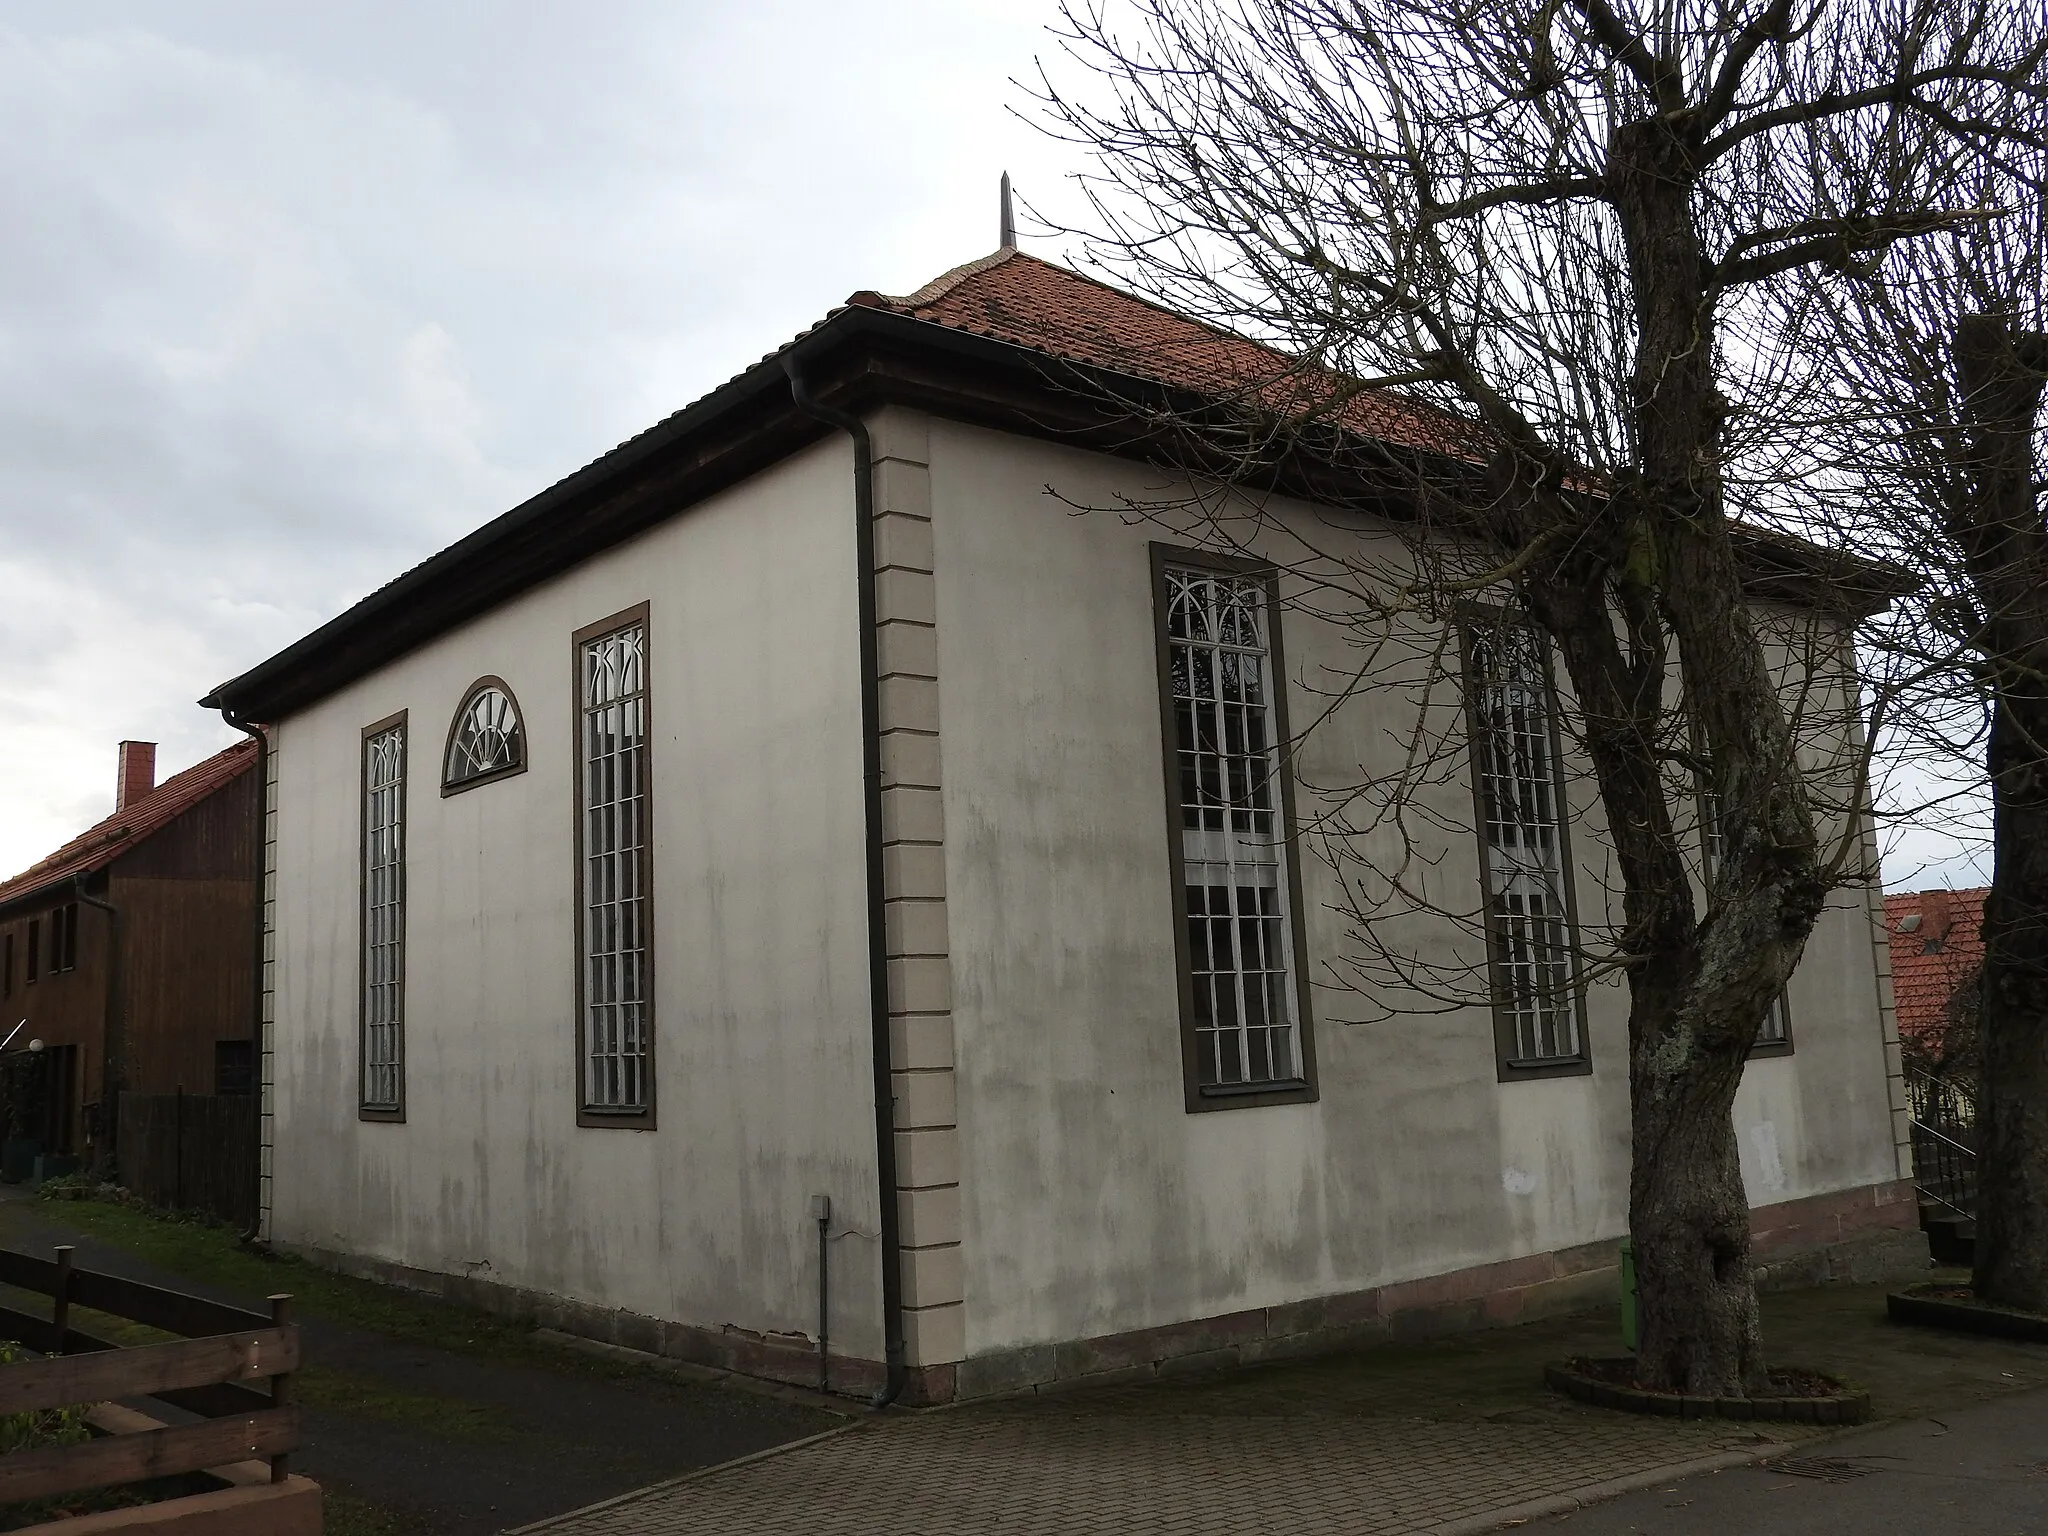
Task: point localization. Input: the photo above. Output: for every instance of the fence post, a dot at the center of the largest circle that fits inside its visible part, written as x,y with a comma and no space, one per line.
280,1384
178,1151
60,1301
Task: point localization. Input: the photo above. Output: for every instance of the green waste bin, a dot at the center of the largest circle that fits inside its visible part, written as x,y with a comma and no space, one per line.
1628,1294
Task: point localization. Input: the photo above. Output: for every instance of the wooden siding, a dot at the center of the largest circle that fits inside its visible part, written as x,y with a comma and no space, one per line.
187,898
214,840
190,978
65,1008
191,1152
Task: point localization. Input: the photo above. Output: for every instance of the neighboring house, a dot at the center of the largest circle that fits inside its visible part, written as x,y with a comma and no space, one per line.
622,848
1937,945
167,1011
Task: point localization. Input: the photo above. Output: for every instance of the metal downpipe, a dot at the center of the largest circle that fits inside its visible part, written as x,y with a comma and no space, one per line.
262,740
878,951
114,1029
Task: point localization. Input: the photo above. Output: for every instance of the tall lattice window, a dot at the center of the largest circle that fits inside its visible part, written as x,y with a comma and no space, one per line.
617,1056
384,918
486,740
1235,887
1775,1033
1528,908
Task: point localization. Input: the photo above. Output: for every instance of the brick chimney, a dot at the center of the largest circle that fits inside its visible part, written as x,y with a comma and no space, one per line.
138,773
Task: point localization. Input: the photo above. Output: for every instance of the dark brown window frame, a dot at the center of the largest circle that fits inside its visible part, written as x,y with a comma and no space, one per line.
34,948
7,964
1471,618
1763,1049
385,1114
643,1119
478,780
63,938
244,1068
1199,1099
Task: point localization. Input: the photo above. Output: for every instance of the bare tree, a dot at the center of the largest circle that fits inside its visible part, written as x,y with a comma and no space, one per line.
1946,455
1557,222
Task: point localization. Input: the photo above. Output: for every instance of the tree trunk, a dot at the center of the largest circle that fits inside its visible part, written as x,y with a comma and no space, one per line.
1698,1326
2012,1180
1698,989
2000,372
1698,992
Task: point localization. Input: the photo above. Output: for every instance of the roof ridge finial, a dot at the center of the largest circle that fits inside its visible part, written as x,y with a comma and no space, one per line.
1009,228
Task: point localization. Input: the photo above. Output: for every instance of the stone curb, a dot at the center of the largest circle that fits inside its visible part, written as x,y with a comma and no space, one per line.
1965,1317
1845,1407
633,1496
1599,1493
705,1375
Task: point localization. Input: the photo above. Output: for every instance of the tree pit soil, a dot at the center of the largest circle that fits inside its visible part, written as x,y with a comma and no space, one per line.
1956,1307
1796,1396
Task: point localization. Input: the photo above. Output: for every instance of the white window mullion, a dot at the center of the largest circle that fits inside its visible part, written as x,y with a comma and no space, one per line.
1531,935
383,917
1233,837
614,1028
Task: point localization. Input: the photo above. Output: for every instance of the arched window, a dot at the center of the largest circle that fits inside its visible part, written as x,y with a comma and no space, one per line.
486,741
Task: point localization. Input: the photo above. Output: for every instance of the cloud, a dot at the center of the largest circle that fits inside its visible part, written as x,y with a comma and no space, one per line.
290,300
293,296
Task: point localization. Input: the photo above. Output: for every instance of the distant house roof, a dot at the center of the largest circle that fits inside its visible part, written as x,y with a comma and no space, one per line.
1937,945
973,345
101,844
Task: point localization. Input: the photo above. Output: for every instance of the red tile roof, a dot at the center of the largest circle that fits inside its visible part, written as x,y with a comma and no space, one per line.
1933,956
100,845
1011,297
1007,298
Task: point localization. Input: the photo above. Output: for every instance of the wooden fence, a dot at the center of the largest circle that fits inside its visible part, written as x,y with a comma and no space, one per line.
190,1151
205,1373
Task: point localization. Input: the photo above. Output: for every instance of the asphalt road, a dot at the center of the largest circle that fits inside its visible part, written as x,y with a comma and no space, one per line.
1979,1471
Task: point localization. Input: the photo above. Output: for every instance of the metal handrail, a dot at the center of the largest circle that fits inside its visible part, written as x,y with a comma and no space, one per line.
1931,1132
1939,1114
1921,1087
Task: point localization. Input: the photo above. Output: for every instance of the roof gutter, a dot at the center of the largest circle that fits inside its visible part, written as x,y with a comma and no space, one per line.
582,513
871,805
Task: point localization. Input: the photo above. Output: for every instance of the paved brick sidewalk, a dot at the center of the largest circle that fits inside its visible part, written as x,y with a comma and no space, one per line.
1451,1435
1187,1475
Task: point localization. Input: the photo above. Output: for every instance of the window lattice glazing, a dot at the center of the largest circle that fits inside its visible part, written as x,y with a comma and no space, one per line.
1526,912
615,938
487,738
383,916
1232,838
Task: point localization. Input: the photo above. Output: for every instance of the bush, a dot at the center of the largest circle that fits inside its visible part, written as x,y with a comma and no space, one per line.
69,1186
38,1428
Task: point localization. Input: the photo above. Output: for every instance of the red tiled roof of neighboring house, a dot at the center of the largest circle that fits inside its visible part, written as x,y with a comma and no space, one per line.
1937,945
1011,297
99,845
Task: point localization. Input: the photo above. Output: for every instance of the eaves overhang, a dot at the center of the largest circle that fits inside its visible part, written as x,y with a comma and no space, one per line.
857,359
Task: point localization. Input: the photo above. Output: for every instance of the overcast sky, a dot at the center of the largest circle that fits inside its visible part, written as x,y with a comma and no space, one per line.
292,296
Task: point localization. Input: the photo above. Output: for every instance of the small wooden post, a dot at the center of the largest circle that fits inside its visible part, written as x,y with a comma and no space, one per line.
60,1301
280,1384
